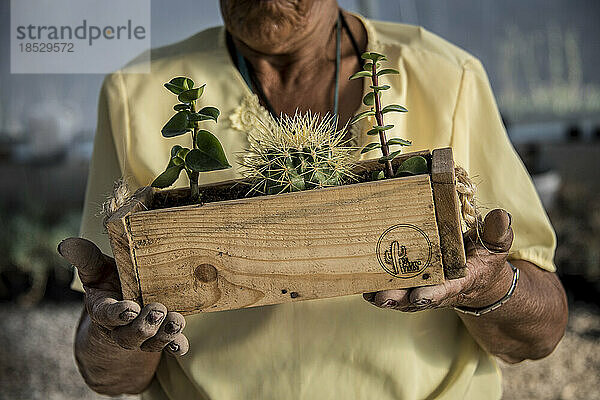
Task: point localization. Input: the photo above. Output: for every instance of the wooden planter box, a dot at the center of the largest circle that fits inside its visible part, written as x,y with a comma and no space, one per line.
364,237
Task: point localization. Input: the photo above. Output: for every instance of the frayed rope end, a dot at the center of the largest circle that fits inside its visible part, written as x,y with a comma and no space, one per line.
121,194
466,189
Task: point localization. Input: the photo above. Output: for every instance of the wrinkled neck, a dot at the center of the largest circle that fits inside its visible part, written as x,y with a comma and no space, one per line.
298,61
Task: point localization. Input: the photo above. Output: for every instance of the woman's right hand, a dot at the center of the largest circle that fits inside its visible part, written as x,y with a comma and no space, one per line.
123,322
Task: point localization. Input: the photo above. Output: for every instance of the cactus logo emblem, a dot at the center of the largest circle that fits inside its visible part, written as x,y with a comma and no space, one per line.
397,258
404,250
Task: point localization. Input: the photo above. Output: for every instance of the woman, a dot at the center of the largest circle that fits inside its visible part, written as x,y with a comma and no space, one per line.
285,52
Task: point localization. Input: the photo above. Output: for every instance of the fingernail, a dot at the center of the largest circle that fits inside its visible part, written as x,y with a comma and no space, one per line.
58,248
174,347
127,315
389,303
172,327
422,302
509,219
155,316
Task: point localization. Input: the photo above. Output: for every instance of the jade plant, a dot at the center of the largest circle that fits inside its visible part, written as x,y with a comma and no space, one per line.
296,153
206,153
372,70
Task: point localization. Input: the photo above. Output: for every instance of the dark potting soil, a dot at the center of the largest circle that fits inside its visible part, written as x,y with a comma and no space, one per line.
180,197
241,189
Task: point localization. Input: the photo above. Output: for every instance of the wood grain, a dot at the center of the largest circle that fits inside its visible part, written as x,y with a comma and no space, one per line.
120,243
447,212
289,247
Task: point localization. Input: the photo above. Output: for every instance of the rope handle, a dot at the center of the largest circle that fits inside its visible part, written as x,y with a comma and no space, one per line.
466,189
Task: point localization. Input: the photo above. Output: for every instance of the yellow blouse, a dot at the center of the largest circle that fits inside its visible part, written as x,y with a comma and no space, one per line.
340,348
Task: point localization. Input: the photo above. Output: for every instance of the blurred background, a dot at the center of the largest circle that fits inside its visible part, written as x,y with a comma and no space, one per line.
541,57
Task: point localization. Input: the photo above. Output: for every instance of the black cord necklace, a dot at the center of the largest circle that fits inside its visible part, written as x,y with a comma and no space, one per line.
247,72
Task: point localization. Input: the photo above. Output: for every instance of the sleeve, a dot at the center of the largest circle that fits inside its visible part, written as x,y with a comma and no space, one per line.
482,147
104,170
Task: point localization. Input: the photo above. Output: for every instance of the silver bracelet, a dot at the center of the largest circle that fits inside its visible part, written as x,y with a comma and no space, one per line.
477,312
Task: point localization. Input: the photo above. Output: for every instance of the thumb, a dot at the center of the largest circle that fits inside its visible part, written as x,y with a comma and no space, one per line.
86,257
497,232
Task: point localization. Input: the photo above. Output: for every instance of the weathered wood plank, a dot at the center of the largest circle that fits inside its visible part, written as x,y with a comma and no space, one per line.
288,247
120,242
447,212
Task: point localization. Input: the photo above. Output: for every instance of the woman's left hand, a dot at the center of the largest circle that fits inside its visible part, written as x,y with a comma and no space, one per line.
488,275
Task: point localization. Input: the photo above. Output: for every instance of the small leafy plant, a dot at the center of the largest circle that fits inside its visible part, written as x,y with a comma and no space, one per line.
373,71
206,153
297,153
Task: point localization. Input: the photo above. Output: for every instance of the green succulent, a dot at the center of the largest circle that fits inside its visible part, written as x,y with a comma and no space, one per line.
206,153
372,70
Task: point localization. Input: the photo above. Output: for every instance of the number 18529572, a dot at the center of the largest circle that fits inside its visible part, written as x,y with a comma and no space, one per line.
64,47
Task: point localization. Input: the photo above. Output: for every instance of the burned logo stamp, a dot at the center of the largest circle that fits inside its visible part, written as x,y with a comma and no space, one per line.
404,250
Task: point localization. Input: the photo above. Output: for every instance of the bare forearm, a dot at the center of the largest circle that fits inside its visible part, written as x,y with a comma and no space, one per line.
530,324
108,368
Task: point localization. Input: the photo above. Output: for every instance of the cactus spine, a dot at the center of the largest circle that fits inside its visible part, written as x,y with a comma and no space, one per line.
296,153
